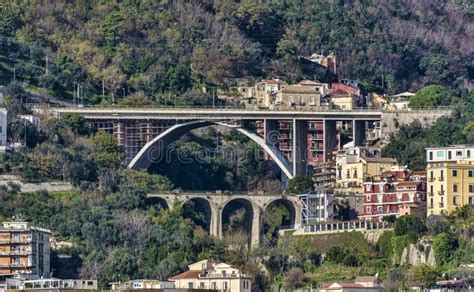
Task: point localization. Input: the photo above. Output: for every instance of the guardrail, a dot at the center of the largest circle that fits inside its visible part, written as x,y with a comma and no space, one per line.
320,109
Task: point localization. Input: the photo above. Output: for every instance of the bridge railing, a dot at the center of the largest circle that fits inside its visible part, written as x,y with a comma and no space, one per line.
231,108
216,193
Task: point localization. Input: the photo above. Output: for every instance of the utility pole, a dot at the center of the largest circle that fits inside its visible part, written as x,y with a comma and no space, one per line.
213,97
82,96
74,96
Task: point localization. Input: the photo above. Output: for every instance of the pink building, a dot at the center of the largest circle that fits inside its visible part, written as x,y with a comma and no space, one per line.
398,192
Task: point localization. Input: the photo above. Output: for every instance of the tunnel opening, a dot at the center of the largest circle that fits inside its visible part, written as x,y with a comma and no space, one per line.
237,216
199,211
280,214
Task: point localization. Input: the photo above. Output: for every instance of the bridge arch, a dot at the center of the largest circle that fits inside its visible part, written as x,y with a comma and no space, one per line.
289,205
154,150
252,217
197,204
158,201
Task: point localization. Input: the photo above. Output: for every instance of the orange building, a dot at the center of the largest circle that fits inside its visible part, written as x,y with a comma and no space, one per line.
24,249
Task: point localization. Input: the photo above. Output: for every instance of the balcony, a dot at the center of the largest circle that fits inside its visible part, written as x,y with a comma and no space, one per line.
431,179
441,193
441,178
431,194
441,205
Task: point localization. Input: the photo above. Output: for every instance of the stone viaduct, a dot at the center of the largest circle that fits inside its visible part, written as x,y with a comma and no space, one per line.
216,203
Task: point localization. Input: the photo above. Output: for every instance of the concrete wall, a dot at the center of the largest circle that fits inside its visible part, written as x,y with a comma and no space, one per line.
34,187
391,121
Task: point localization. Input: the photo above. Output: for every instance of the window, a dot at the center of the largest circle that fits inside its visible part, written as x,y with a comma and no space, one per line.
431,190
368,198
355,173
190,285
449,154
468,153
455,188
471,188
201,285
471,200
458,153
455,200
225,286
348,174
213,285
441,176
431,155
367,210
431,203
431,175
455,172
470,173
1,129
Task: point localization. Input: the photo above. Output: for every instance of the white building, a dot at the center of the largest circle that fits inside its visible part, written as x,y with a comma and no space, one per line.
3,128
317,206
141,284
32,119
210,275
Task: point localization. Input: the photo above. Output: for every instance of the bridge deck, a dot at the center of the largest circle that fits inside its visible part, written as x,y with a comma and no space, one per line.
114,113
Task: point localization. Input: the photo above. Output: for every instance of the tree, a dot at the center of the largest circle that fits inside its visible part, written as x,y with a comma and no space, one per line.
143,181
106,152
409,225
299,185
423,275
444,245
432,95
76,123
294,278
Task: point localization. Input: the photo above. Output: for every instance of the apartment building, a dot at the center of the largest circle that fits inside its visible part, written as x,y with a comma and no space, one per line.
207,274
396,192
304,95
354,164
450,173
24,249
263,92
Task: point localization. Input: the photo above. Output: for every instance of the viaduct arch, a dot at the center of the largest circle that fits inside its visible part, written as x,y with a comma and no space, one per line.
256,204
154,150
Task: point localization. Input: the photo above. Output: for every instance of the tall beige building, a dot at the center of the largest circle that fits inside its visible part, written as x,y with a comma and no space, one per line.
24,249
210,275
450,175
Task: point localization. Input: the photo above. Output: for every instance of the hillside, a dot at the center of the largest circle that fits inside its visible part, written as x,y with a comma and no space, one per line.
164,49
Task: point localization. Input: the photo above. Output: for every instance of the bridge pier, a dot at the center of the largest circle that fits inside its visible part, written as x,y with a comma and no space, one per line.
256,227
300,146
329,138
358,132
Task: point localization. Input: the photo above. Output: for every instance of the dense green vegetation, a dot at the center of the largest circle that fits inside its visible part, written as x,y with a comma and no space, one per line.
409,143
163,51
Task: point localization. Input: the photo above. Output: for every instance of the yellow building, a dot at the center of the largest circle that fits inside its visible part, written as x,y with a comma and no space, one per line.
355,164
450,174
210,275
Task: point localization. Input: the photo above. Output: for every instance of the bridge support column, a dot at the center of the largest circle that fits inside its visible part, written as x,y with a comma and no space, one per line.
329,138
256,227
215,228
271,132
358,132
300,145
